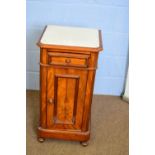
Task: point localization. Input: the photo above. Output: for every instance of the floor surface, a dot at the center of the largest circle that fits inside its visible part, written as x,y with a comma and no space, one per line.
109,129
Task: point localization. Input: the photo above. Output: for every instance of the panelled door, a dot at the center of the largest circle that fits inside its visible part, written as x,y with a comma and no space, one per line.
65,98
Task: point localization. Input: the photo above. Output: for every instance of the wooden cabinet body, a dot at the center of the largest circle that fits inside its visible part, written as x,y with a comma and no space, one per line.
66,87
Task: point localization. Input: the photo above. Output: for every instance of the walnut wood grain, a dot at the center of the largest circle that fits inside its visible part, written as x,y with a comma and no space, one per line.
65,135
43,72
67,76
67,87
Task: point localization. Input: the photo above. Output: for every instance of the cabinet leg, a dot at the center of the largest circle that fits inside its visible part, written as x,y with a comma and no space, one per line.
41,140
85,143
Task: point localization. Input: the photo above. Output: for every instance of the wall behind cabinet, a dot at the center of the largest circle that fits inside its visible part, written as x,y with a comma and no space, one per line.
111,16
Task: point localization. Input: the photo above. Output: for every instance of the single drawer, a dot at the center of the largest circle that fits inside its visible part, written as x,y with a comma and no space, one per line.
68,59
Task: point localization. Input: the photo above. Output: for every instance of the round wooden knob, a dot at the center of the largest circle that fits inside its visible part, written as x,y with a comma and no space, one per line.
67,60
50,101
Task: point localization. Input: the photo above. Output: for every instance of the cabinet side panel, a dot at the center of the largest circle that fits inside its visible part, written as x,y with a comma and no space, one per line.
43,59
89,92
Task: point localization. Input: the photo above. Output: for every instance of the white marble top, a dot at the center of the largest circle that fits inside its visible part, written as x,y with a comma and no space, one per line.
70,36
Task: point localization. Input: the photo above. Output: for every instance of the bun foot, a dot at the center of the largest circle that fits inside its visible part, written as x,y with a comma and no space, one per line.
84,144
41,140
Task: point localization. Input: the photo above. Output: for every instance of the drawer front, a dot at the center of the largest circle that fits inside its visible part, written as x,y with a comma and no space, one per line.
67,59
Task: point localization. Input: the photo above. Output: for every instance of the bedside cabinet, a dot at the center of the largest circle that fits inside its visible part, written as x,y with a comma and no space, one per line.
68,62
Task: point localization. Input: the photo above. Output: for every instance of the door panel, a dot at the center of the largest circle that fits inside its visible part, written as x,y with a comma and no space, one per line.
65,93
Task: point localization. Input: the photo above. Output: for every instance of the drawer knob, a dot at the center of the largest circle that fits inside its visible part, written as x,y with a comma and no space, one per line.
67,61
51,101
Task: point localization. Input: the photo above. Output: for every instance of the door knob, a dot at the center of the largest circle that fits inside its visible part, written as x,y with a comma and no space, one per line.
51,101
67,60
